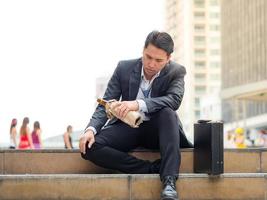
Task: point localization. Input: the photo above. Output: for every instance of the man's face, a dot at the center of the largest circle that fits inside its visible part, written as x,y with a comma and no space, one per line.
154,59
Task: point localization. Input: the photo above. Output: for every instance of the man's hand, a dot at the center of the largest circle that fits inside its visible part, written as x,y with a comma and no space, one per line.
89,137
123,107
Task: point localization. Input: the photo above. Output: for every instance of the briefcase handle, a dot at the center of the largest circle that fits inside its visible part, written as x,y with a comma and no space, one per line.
200,121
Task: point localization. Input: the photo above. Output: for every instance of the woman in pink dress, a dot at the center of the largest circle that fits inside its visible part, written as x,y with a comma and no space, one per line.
36,135
25,135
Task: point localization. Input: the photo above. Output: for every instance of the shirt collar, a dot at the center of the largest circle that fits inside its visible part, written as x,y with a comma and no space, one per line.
143,74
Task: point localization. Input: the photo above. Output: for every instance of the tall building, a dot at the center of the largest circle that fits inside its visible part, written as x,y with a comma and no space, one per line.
195,28
244,63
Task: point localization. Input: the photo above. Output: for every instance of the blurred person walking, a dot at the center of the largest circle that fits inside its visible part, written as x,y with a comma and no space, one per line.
36,135
25,135
240,138
264,137
13,134
67,138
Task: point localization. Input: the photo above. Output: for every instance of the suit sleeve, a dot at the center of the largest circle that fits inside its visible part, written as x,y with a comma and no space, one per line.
113,91
173,95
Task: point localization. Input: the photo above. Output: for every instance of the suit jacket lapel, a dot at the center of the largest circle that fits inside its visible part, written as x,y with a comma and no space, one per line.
134,81
156,83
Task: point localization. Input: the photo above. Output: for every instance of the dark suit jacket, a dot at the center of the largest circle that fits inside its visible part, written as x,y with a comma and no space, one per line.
167,91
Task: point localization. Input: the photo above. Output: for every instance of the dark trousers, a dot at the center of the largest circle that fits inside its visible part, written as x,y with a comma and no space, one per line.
113,143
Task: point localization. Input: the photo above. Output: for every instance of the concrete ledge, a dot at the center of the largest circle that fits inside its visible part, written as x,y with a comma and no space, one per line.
242,161
264,161
70,161
236,186
1,163
63,187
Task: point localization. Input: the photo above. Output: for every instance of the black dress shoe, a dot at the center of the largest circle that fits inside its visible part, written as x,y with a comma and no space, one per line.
169,188
155,167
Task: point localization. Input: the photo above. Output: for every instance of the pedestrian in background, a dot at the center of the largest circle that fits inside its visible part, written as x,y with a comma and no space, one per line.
36,135
67,138
13,134
25,135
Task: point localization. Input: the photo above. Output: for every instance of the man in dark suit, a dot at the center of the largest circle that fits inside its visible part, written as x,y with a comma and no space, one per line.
154,86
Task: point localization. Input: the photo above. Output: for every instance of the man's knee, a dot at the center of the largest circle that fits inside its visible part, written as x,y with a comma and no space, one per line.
83,155
167,112
88,155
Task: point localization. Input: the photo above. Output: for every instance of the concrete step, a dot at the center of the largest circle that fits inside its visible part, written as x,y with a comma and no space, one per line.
70,161
232,186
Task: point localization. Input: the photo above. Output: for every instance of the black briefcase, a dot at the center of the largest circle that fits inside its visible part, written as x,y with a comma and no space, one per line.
208,147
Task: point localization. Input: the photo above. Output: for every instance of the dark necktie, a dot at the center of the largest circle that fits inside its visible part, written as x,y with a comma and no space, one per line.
146,92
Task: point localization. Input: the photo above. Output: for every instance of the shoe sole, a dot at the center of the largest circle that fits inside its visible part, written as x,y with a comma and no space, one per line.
169,198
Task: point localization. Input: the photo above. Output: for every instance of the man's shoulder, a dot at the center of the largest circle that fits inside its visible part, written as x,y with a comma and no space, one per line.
131,62
177,67
129,65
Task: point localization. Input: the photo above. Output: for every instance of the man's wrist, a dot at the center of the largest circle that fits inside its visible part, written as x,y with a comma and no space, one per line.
141,105
137,105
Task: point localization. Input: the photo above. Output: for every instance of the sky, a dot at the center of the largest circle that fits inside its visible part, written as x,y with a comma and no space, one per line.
52,51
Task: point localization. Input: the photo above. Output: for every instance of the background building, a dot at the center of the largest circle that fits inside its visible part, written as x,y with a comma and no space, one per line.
210,107
244,63
195,28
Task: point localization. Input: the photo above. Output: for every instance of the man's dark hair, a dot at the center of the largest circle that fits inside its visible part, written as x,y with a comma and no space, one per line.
161,40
